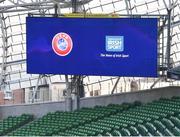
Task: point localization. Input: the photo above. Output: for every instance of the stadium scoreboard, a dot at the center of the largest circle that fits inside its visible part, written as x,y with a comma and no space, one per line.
92,46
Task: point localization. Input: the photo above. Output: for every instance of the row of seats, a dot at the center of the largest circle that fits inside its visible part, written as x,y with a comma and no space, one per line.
55,123
83,130
11,123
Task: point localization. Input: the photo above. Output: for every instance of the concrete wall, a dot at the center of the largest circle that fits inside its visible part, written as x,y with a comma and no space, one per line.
142,96
40,109
37,109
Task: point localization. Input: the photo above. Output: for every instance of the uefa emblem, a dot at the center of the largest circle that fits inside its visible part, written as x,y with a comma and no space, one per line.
62,44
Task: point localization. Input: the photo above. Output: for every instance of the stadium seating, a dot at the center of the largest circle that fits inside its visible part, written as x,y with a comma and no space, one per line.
12,123
152,119
54,123
158,118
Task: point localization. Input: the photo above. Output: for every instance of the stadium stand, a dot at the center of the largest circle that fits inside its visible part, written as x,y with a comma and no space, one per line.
53,123
158,118
12,123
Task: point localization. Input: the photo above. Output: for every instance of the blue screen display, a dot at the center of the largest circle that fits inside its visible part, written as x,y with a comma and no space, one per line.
92,46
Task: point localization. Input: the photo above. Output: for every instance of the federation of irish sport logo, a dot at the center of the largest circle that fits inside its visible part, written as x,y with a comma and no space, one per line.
62,44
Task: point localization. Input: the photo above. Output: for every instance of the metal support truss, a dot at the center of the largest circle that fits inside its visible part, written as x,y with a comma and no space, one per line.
156,81
74,6
128,7
115,85
57,8
48,4
169,39
4,54
36,89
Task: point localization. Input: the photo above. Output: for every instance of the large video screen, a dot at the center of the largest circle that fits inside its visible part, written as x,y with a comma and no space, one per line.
92,46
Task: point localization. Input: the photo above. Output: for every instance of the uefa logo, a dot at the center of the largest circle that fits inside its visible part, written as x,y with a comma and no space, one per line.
62,44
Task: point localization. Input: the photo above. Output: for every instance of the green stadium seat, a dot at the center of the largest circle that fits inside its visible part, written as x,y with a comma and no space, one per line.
151,128
133,131
125,132
176,131
175,121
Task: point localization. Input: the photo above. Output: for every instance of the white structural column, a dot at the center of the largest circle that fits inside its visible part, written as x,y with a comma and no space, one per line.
4,53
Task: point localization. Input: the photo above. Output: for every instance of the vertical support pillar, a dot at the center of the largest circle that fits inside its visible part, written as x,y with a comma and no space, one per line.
68,98
56,10
74,6
76,102
68,103
169,40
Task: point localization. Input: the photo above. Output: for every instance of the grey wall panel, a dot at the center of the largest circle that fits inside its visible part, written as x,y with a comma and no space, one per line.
142,96
37,110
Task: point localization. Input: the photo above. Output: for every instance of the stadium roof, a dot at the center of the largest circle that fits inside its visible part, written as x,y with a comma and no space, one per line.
13,15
